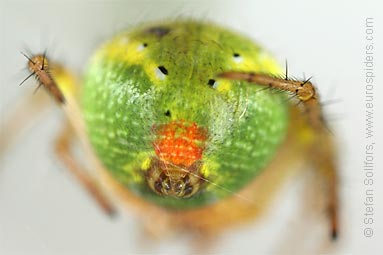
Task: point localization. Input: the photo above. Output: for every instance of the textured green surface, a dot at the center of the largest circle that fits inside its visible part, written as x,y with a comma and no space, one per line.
124,96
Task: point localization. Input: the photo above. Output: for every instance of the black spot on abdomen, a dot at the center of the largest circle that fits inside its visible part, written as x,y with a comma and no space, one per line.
163,70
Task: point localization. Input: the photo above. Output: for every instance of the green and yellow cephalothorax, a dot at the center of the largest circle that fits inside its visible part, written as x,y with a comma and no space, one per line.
167,127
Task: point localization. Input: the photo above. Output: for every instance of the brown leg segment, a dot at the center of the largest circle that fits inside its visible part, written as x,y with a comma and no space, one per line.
39,67
86,180
322,153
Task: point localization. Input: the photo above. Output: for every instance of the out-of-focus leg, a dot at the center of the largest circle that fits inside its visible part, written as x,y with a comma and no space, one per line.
63,150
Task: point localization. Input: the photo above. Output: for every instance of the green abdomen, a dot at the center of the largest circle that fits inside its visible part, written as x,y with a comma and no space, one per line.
142,79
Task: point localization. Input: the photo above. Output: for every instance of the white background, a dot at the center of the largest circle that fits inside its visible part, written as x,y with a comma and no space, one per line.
43,211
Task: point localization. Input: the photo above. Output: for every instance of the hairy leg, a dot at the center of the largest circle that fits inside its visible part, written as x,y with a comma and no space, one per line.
63,87
321,153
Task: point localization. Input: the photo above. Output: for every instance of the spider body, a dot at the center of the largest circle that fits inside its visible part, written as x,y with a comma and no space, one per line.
190,123
159,117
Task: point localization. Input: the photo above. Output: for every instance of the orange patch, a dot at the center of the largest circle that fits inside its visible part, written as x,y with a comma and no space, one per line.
180,142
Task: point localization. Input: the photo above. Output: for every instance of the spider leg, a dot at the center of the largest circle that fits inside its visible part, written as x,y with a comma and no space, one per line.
63,151
321,153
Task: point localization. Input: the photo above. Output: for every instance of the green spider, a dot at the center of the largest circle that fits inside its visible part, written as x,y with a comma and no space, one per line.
191,122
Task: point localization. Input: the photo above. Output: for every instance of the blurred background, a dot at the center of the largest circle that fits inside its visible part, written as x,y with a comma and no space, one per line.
43,211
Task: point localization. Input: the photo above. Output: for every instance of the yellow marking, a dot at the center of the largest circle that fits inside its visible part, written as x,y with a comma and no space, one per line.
127,52
131,168
263,63
224,85
150,68
208,167
142,160
205,171
146,164
65,80
271,66
246,65
132,53
268,64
